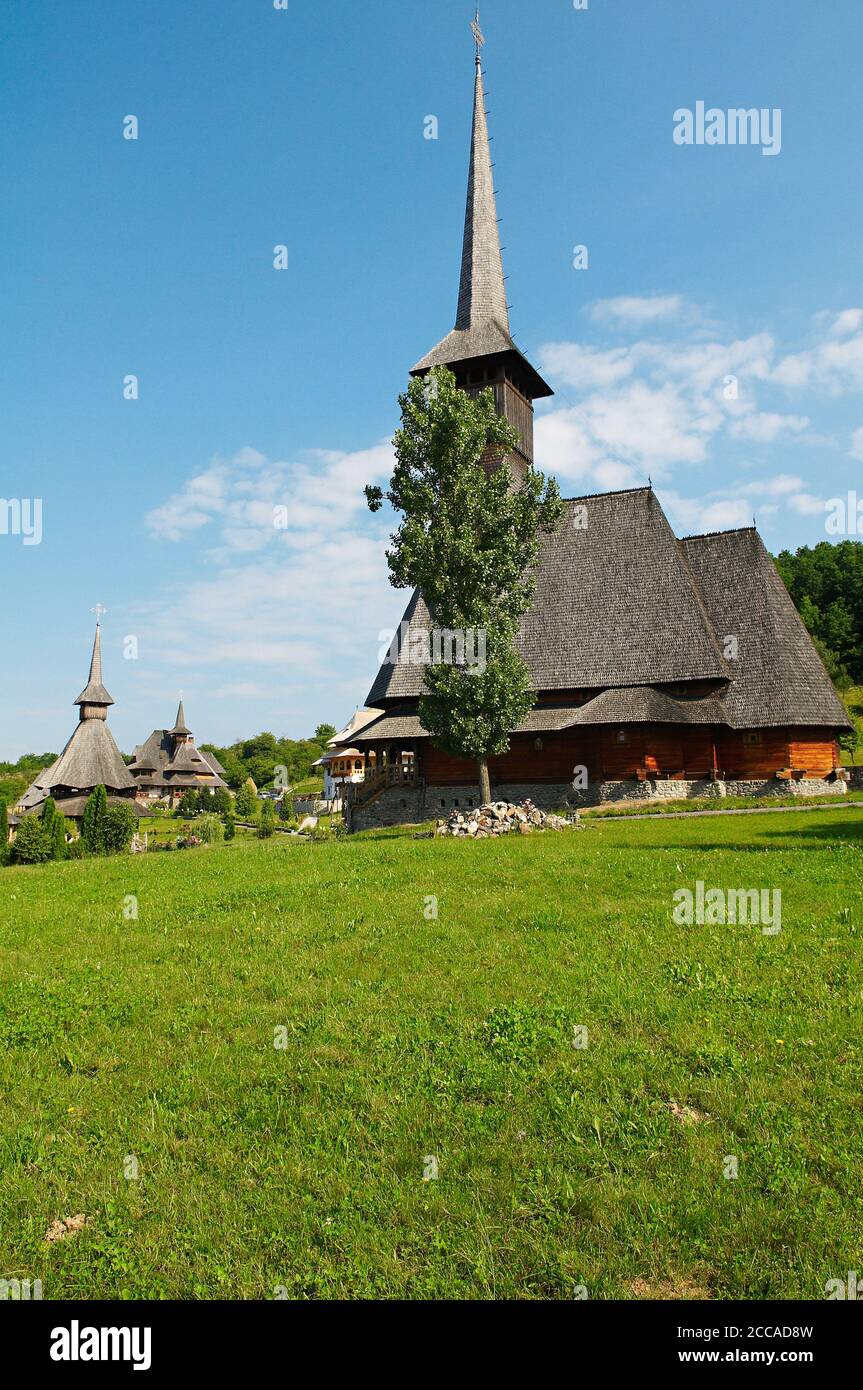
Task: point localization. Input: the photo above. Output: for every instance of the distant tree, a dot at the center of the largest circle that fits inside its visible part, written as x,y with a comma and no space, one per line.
246,803
4,832
230,828
324,732
92,832
268,820
190,803
29,846
826,583
221,801
469,541
118,826
286,810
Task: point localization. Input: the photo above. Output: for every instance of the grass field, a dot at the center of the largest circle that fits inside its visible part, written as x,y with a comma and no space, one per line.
298,1169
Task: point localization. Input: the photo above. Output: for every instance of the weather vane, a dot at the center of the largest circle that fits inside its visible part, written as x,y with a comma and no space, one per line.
98,610
479,37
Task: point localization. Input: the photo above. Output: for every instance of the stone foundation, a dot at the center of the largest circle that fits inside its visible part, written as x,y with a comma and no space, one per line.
413,805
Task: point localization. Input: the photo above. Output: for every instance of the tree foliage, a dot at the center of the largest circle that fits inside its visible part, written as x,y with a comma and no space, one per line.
30,845
246,803
469,541
118,826
92,824
826,583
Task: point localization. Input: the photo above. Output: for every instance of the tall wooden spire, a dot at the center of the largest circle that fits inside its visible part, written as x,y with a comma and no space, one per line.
482,291
94,698
480,349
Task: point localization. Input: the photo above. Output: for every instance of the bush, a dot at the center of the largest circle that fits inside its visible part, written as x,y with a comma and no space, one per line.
30,846
118,826
190,803
221,801
268,820
230,828
211,830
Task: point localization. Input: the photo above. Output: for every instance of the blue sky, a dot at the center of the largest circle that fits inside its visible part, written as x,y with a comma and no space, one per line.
260,387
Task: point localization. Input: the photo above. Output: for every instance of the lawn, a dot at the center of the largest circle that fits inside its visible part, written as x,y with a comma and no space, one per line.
282,1042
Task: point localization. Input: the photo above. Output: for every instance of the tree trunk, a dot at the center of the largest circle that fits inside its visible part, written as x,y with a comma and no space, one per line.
484,781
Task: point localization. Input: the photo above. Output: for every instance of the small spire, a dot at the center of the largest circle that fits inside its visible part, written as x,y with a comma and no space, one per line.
180,726
94,692
482,294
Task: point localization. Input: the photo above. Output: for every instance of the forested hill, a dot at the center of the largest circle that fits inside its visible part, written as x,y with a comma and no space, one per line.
259,757
826,583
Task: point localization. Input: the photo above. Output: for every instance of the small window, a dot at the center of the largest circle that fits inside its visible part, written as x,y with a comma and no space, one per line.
470,801
455,803
443,803
620,736
752,739
404,804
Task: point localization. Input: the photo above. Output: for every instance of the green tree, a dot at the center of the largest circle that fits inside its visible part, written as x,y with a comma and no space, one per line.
59,830
268,820
286,808
190,803
323,733
221,801
230,827
29,846
4,832
118,826
469,541
92,836
246,803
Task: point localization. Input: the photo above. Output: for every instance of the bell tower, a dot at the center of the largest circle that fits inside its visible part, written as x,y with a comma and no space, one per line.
480,350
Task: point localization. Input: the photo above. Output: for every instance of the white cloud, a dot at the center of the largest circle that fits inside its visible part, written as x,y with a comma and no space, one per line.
586,368
763,426
636,311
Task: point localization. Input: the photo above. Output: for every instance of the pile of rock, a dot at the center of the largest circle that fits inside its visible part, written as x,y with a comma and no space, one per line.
502,818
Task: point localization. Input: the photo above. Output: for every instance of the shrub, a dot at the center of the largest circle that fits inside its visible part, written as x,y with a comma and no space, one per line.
230,829
190,803
221,801
4,832
211,830
118,826
268,820
246,804
29,846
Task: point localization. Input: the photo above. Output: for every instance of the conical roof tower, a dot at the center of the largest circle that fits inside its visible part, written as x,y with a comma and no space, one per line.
480,349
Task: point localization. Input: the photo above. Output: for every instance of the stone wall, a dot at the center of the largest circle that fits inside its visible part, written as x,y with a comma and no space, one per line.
413,805
856,778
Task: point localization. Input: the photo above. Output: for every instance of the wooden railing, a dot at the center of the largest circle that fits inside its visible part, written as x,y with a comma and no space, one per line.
393,775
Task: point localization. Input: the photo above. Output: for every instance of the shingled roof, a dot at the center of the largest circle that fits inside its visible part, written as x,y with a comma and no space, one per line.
167,760
779,678
91,758
621,604
615,605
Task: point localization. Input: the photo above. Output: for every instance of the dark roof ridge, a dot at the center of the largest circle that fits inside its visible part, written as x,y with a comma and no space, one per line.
614,492
729,531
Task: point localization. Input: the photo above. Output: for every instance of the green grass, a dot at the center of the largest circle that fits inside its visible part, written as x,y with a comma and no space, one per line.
301,1168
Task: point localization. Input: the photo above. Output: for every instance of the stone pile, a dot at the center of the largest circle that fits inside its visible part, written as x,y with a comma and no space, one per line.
501,818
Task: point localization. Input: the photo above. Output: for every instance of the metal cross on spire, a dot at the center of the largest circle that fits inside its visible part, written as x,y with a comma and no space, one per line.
98,610
479,37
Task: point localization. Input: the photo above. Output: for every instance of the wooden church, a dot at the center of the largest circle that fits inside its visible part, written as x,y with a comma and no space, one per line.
662,667
90,759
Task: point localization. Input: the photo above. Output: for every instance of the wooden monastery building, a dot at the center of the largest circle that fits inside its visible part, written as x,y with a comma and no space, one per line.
169,764
662,667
